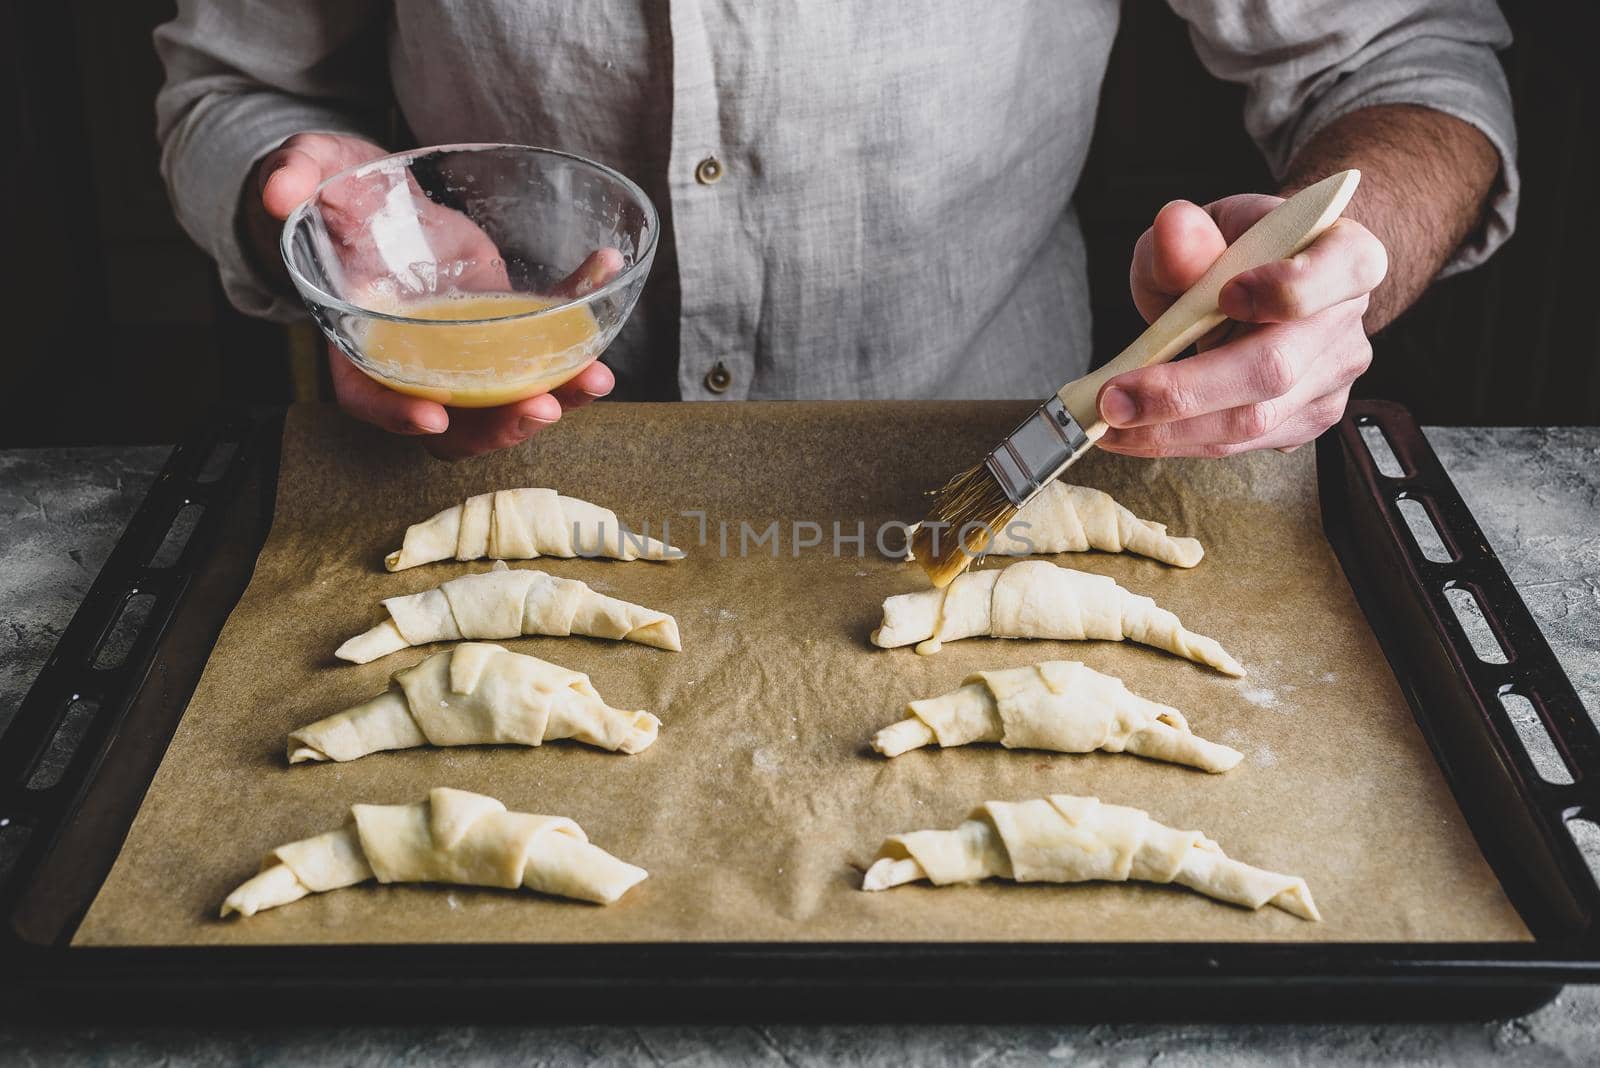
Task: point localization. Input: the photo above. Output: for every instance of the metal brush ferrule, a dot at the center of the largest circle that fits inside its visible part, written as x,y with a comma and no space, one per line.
1037,451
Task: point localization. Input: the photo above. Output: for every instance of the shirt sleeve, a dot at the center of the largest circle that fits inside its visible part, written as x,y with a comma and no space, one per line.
241,77
1306,63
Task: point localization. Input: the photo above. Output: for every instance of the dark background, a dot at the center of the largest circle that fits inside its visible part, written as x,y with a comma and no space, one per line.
117,330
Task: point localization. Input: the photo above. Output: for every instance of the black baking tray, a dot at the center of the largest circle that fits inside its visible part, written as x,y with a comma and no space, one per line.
63,816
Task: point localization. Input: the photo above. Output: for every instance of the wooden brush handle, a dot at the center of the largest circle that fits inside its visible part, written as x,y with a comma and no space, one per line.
1281,233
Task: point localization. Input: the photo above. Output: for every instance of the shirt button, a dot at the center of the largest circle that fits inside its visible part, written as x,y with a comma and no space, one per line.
719,378
709,171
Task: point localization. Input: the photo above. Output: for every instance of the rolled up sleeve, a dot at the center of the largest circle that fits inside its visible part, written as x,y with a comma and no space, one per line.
1305,64
241,77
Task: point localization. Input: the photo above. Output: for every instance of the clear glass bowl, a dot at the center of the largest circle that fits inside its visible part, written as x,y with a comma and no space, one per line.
473,275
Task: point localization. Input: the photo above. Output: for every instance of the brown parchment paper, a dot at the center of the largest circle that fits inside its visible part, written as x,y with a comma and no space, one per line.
761,794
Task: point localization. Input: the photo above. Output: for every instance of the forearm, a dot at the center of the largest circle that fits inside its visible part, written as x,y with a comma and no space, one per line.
1425,180
240,78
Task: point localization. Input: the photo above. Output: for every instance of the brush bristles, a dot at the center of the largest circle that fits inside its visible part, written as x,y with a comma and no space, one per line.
968,512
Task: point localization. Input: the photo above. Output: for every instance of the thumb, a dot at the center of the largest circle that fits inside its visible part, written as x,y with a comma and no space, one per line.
1180,245
288,177
598,268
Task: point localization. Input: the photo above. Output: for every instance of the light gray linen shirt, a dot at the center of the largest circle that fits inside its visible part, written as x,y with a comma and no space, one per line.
894,216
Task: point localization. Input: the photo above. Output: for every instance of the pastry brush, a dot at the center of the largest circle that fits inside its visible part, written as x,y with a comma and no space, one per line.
981,501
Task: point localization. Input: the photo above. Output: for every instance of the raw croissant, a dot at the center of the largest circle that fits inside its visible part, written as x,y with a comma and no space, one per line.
452,837
1065,839
476,694
1072,519
503,603
1037,599
1059,705
520,524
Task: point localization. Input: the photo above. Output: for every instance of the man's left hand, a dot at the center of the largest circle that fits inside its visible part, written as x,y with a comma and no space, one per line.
1277,384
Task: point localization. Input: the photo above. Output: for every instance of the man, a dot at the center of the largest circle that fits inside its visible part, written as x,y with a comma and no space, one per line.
871,199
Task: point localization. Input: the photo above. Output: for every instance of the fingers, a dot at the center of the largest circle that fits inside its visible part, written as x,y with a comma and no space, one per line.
450,434
601,266
370,402
1304,424
1236,214
1246,393
1346,262
587,386
458,433
1172,255
1258,366
287,177
291,172
474,431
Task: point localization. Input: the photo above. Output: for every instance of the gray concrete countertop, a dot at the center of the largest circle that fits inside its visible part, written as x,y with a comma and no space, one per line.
1536,493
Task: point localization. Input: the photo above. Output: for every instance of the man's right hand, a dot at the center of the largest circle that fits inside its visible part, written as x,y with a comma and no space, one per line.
282,181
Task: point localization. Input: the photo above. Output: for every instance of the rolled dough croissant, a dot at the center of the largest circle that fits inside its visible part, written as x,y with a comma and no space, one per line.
452,837
1059,705
520,524
503,603
476,694
1065,839
1037,599
1072,519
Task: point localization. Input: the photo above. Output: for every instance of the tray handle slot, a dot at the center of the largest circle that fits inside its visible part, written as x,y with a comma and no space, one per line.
1424,530
170,552
217,460
122,633
1382,453
71,730
1484,638
1585,834
14,836
203,465
1548,759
